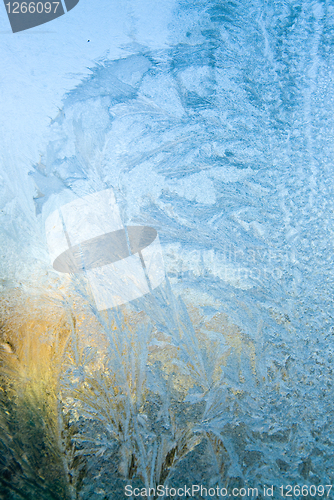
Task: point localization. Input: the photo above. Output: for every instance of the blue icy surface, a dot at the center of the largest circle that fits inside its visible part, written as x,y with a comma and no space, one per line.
224,143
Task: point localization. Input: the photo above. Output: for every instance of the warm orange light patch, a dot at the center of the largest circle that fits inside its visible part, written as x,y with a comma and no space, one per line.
34,336
42,331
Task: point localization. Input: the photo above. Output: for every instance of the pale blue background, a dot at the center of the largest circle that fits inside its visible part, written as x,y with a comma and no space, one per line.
39,65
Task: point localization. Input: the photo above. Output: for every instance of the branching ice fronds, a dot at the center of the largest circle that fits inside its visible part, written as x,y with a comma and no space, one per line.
98,446
157,384
216,406
171,317
218,454
161,455
113,394
100,402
